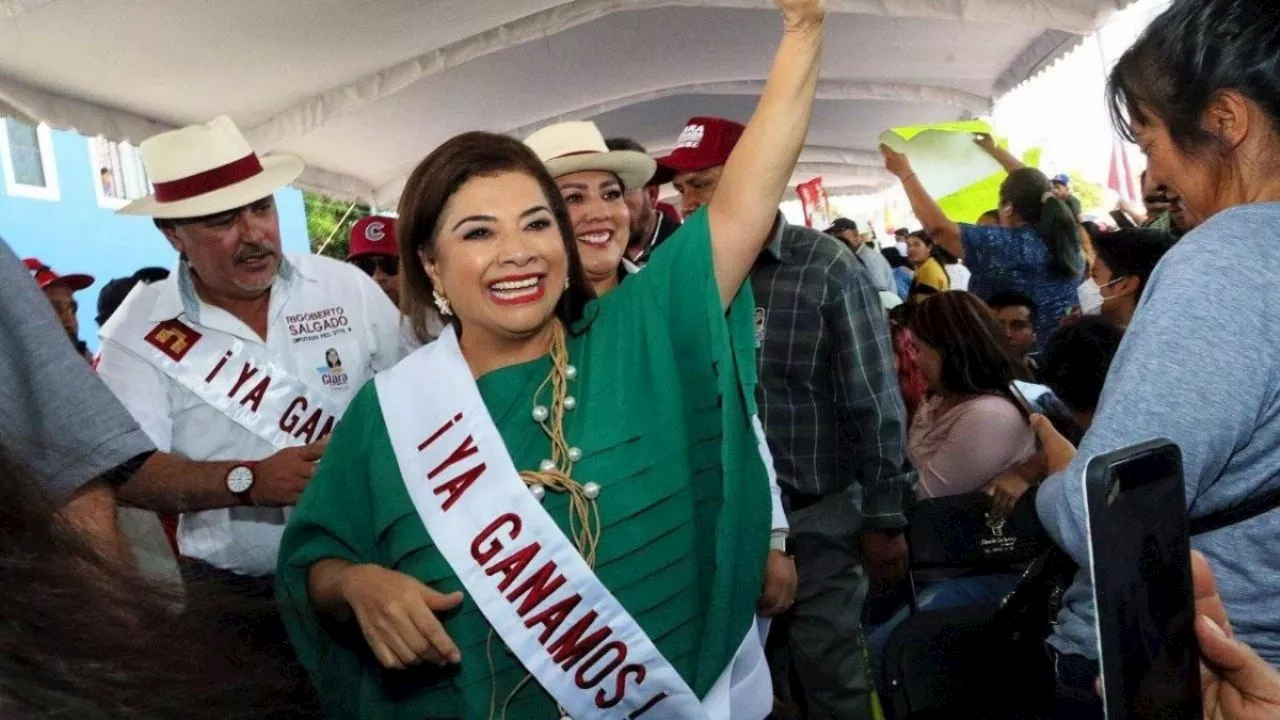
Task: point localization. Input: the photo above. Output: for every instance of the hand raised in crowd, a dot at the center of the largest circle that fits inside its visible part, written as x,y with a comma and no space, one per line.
896,162
800,14
884,558
280,479
779,585
399,616
985,141
1236,683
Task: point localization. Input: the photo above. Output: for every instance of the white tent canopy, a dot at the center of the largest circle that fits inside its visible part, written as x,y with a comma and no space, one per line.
363,89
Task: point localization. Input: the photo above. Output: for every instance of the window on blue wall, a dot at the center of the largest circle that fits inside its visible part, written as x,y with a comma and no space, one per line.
26,151
118,173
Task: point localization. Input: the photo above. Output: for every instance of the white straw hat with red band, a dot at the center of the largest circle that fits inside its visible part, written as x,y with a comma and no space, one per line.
572,147
206,169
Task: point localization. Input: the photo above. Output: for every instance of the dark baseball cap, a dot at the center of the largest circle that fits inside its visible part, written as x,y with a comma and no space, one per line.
842,224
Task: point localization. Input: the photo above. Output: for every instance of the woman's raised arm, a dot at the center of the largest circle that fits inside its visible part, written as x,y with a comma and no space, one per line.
746,199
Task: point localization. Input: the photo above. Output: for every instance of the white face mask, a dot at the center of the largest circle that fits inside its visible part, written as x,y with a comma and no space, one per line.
1091,297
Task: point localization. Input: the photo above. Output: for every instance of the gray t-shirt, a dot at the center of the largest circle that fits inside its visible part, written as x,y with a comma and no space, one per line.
1200,365
56,416
881,271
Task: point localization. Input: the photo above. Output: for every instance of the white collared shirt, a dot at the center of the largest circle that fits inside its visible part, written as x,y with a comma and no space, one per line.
309,291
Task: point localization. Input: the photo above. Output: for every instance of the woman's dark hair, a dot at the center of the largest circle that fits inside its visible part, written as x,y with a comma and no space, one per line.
429,189
1191,51
335,362
1134,252
1092,229
895,258
936,251
83,636
1031,195
961,328
1076,360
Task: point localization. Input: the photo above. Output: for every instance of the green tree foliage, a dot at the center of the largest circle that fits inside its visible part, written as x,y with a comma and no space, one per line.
1092,196
325,219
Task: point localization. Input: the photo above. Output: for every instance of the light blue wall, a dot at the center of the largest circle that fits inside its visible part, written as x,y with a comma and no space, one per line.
74,234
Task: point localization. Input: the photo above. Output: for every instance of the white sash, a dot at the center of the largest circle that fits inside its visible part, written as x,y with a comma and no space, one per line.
220,369
534,588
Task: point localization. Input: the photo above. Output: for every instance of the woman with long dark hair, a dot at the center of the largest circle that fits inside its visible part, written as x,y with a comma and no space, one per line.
511,522
969,431
1199,92
83,635
1034,251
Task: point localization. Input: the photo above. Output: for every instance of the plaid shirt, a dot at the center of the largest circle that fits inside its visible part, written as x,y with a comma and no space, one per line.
828,392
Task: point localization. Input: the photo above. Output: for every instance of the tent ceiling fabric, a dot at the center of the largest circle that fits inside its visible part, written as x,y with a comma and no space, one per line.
363,89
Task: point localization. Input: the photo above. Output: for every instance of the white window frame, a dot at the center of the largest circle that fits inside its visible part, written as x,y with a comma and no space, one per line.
51,190
110,203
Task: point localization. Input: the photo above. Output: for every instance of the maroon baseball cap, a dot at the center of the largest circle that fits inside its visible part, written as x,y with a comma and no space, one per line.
373,235
45,276
705,143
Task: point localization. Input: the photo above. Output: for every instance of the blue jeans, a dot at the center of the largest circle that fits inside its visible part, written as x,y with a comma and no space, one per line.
964,591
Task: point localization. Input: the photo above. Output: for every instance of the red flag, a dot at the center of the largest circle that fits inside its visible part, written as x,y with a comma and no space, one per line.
1121,176
813,200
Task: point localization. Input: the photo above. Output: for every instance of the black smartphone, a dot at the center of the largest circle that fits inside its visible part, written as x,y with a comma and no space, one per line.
1026,396
1140,557
1032,399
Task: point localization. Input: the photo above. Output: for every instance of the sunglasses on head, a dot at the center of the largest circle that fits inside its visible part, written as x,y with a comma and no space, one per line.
389,264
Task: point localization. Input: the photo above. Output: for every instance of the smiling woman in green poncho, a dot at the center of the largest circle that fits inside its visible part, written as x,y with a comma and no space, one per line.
648,467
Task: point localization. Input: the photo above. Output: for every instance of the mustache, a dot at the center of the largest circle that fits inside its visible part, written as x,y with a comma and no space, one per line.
253,252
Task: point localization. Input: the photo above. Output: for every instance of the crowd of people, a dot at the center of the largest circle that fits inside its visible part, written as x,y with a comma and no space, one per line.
545,447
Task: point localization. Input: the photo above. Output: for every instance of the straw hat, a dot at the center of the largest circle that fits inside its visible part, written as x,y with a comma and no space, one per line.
206,169
573,147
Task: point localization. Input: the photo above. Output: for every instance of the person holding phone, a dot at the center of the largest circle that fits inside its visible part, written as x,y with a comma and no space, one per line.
1198,363
969,430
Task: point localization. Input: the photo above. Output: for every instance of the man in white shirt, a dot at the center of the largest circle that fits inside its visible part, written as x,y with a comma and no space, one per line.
237,365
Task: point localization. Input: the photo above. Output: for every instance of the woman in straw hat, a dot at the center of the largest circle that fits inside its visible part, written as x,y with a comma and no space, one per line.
592,181
512,523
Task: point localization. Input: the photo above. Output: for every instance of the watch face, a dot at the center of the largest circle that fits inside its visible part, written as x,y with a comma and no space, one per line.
240,479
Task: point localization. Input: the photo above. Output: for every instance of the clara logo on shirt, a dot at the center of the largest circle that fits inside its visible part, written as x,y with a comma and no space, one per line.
761,315
332,374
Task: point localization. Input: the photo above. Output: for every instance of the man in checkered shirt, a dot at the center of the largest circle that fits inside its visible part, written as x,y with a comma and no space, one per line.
835,422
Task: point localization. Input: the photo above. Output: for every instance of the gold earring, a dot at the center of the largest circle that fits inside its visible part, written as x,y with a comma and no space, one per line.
442,303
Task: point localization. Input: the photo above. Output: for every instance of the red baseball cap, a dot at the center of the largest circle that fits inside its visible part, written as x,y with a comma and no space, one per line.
45,276
705,143
373,235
